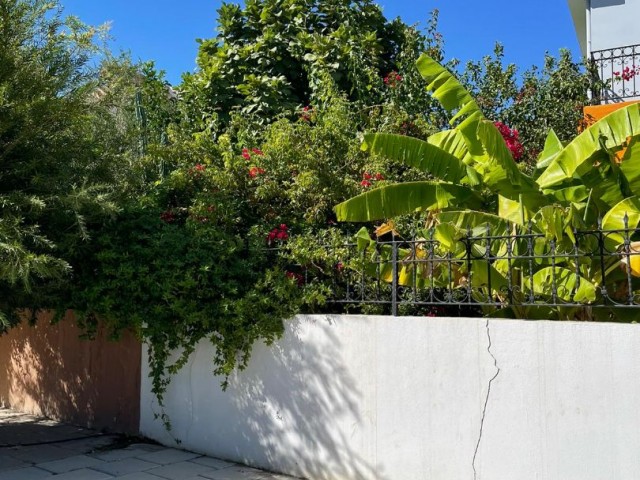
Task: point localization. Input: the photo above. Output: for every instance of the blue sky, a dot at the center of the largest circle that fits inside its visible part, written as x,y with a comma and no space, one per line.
165,31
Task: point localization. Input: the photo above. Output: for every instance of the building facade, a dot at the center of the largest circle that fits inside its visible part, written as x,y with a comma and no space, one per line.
609,36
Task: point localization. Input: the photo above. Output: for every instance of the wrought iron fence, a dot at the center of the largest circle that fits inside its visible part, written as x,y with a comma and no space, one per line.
616,74
483,271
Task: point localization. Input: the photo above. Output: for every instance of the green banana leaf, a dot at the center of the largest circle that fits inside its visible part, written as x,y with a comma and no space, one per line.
453,142
566,282
552,147
573,194
403,198
418,154
630,165
477,221
453,96
613,130
496,162
614,220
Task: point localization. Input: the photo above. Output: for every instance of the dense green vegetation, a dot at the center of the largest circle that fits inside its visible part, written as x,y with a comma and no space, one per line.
193,212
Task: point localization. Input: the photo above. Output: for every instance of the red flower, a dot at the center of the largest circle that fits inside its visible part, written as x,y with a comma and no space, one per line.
339,266
365,183
278,233
379,176
366,176
511,138
199,167
299,279
167,216
306,113
255,171
257,151
393,79
245,154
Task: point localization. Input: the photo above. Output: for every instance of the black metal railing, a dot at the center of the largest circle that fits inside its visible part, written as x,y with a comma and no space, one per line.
616,74
483,270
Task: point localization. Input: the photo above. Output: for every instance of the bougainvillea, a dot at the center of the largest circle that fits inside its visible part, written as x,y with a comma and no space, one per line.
393,79
512,139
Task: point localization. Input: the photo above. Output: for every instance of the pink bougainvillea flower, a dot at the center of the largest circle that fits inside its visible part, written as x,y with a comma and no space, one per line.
279,233
306,113
393,79
512,139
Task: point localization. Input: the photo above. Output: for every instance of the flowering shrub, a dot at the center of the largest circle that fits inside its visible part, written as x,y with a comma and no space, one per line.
511,138
627,73
393,79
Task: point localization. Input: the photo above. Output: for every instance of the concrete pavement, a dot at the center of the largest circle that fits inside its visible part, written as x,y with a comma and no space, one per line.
34,448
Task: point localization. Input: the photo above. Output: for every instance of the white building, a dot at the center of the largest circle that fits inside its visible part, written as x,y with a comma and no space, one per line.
609,34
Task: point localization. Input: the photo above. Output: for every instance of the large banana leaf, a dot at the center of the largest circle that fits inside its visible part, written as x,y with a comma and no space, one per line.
453,96
453,142
614,220
402,198
552,147
471,219
569,287
613,130
496,161
418,154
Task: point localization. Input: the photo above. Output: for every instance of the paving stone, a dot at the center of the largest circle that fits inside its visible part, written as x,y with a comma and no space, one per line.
125,466
142,476
149,447
235,473
39,453
167,456
214,462
8,462
115,455
29,473
88,445
82,474
70,463
180,470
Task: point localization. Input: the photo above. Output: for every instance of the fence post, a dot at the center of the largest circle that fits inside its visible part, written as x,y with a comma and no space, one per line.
394,280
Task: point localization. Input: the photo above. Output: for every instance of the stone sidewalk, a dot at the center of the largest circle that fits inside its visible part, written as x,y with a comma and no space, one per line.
33,448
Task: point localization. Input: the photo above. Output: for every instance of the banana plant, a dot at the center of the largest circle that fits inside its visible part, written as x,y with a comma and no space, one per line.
474,190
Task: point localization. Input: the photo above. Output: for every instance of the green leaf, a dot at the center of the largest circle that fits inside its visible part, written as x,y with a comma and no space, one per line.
465,219
497,162
402,198
452,96
569,286
614,220
613,130
552,147
418,154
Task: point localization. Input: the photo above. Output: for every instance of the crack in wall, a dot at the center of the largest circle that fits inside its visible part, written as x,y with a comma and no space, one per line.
486,402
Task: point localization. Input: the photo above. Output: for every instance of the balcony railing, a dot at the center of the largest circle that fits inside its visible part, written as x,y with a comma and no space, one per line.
616,73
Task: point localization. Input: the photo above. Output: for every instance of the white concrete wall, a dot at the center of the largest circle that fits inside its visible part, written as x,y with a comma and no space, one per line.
355,397
614,23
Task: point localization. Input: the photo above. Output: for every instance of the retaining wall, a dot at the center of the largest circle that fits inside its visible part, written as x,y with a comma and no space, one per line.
356,397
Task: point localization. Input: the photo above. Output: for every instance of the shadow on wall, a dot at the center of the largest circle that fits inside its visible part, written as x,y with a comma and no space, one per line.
299,402
49,370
